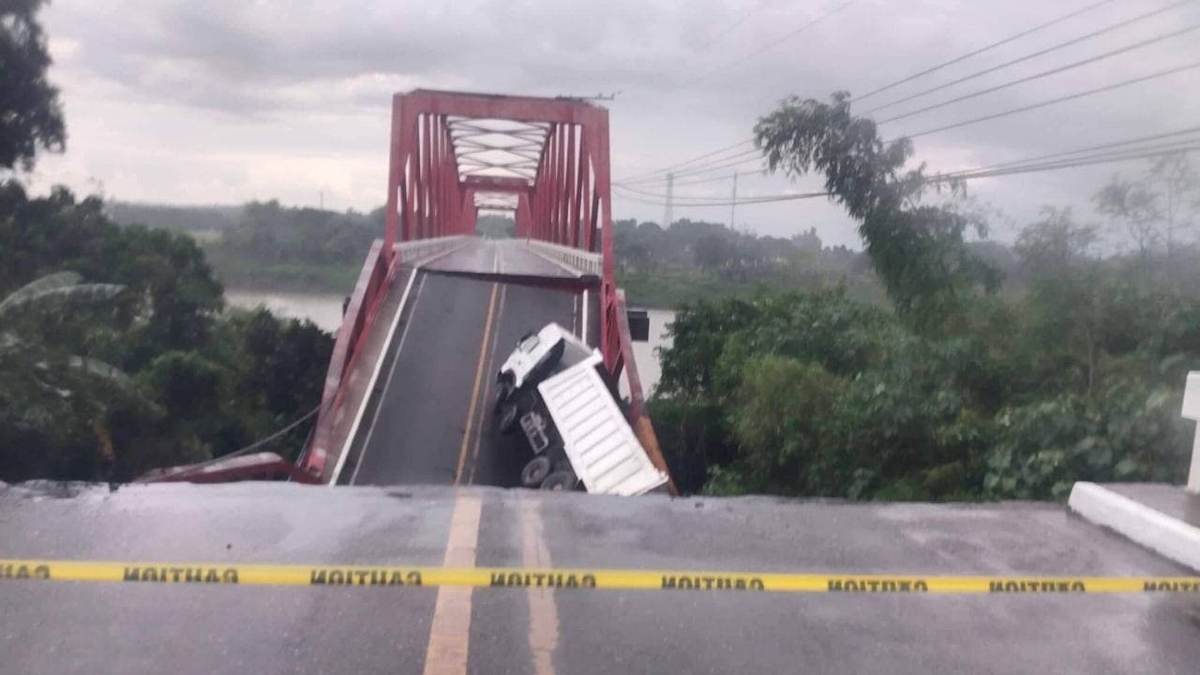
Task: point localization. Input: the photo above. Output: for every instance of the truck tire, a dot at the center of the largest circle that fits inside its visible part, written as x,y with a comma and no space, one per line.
536,471
560,481
507,419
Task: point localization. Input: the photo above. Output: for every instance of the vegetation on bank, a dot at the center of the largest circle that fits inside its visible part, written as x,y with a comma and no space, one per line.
150,372
268,246
116,354
271,247
692,260
955,392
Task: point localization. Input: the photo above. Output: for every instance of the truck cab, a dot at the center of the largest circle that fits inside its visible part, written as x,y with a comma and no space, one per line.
537,355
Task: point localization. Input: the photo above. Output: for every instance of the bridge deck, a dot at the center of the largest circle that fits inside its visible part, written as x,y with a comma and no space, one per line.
68,628
499,256
429,420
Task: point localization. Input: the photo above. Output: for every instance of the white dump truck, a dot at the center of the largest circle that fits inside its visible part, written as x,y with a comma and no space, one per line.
553,389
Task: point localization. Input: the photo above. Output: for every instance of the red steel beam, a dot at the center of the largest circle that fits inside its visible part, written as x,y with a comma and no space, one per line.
569,194
497,183
580,192
494,106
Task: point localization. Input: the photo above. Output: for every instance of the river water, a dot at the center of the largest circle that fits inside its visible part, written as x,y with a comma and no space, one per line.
325,310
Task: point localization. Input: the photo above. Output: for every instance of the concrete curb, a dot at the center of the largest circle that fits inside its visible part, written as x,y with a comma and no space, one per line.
1153,529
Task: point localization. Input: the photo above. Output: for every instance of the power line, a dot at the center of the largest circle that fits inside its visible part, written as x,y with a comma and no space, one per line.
748,157
674,197
1041,104
736,24
1044,73
742,158
1042,52
727,202
1011,38
1060,99
1102,158
1093,148
771,45
659,175
700,181
1031,165
672,167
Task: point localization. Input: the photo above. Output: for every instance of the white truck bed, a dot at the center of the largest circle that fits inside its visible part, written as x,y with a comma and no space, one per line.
598,441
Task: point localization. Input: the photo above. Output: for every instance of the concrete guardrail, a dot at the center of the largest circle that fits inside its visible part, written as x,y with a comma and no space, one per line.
583,262
423,248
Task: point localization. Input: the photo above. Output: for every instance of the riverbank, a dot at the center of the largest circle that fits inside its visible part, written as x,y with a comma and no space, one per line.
670,289
245,274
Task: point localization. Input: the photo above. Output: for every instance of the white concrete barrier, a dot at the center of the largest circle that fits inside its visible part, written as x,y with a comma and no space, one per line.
411,251
1153,529
583,263
1191,411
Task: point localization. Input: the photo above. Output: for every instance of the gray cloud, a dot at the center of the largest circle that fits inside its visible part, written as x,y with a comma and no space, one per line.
284,99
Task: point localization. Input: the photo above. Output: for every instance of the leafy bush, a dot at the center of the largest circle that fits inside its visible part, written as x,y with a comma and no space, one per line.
815,394
151,376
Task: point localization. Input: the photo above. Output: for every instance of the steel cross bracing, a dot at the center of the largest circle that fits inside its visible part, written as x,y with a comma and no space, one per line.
546,159
497,147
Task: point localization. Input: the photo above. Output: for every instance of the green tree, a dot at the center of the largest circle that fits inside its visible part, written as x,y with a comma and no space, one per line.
200,384
50,396
1065,300
30,112
919,251
1159,209
780,419
173,296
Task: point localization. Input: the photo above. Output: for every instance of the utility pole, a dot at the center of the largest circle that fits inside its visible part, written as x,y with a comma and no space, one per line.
321,198
670,199
733,205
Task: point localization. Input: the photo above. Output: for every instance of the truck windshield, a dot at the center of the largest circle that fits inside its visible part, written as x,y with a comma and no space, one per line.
528,344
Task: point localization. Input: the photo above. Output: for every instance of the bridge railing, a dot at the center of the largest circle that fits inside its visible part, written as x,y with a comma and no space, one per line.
356,323
584,262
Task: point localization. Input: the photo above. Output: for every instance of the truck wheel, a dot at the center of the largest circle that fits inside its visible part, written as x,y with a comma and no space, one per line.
560,481
502,395
535,471
507,421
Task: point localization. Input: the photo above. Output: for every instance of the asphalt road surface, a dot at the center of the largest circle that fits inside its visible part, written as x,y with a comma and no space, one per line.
431,423
63,628
498,256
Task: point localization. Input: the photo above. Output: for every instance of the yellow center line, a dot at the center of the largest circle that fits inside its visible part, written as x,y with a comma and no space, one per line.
466,439
487,391
543,610
450,631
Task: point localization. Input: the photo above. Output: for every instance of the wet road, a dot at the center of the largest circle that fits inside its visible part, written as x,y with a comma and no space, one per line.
499,256
430,422
66,628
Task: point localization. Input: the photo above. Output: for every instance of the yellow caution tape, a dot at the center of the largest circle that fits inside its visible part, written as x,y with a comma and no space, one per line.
502,577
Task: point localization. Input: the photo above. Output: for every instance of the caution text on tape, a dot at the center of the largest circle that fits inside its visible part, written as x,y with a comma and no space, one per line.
663,580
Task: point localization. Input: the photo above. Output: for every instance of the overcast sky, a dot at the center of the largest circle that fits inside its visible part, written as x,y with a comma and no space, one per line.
224,101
